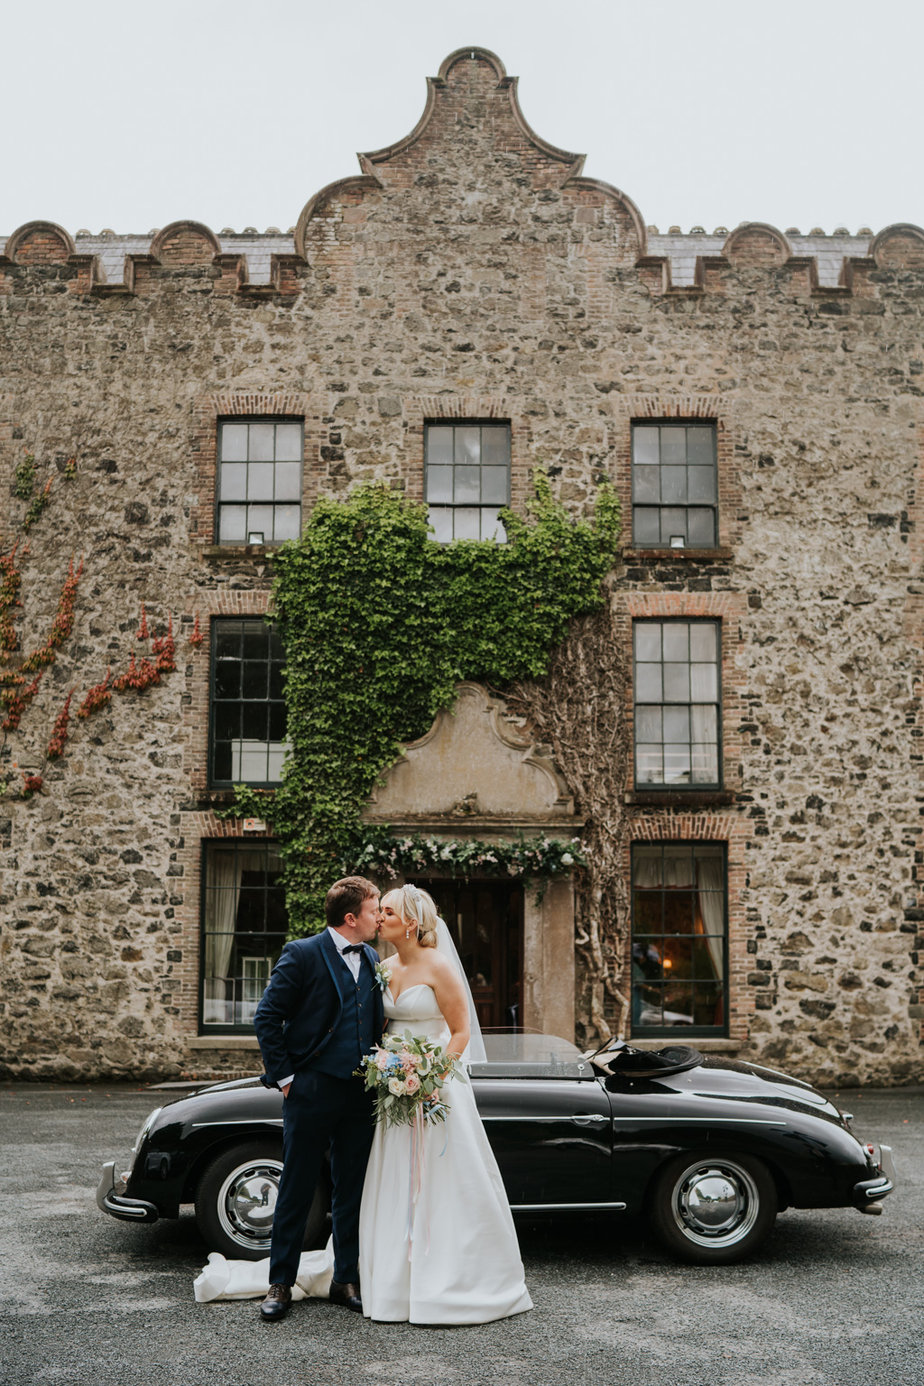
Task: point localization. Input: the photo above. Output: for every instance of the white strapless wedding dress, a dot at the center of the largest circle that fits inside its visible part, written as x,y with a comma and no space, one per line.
437,1243
436,1238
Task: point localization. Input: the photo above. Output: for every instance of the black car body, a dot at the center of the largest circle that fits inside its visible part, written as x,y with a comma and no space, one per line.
710,1149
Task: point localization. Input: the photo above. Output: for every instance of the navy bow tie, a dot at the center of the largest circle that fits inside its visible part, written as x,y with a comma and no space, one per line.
354,948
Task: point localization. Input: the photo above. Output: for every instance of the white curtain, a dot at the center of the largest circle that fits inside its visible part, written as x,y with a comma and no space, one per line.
711,883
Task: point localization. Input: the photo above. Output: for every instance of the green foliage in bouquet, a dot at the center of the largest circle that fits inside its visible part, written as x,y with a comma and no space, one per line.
407,1073
379,624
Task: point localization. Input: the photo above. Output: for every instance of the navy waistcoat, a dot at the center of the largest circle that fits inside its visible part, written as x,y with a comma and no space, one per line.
354,1036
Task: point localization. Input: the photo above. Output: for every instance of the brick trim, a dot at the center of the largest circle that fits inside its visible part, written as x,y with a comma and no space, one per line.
208,410
422,409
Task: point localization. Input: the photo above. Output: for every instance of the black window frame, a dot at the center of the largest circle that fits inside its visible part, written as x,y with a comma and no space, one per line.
441,504
640,957
247,420
215,631
236,847
640,503
690,786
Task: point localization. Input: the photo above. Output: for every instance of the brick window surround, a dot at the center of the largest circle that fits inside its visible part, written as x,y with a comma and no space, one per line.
466,477
243,930
674,485
677,715
247,712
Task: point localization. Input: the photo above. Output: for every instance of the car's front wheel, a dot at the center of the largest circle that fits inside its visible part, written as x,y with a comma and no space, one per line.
713,1209
236,1201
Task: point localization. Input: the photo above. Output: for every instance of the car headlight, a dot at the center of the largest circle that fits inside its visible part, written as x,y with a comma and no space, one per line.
148,1123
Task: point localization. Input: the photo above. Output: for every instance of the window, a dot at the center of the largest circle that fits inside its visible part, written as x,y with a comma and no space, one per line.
467,468
674,492
677,703
243,928
248,712
678,938
259,481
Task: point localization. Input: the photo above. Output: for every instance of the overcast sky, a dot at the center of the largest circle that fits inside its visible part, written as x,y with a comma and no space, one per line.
130,115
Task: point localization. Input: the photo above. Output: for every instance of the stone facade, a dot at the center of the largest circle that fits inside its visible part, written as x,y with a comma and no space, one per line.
471,272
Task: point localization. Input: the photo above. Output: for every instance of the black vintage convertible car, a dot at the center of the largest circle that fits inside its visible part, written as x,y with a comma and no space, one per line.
711,1150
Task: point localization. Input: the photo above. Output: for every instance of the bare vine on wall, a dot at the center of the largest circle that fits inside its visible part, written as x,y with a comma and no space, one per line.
578,709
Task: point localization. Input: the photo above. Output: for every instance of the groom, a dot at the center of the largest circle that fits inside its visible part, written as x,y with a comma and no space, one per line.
320,1013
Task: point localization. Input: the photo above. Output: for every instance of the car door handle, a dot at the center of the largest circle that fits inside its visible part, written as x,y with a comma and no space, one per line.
594,1119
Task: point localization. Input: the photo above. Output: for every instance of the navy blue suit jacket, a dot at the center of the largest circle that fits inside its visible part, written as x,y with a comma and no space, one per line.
303,1002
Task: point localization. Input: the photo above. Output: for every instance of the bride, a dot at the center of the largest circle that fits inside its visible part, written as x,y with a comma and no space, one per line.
437,1243
436,1237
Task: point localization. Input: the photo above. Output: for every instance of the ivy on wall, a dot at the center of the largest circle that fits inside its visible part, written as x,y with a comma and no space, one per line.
379,624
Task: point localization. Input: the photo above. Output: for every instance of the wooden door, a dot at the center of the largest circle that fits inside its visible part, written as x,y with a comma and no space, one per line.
485,919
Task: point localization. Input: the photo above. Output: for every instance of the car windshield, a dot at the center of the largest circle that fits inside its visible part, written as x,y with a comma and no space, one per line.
527,1054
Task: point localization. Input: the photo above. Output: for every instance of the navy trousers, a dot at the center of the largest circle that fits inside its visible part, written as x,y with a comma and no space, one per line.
321,1111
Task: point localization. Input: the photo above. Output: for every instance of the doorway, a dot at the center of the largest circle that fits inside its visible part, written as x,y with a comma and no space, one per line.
485,919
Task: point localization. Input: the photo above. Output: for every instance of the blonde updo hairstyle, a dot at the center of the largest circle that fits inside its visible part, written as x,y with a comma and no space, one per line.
417,910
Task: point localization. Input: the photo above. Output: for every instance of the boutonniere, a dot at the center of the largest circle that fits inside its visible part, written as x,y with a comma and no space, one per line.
381,977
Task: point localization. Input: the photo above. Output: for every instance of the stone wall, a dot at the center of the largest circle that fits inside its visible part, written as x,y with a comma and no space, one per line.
471,271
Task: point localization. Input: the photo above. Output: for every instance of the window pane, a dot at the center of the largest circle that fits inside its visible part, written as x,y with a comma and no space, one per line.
253,768
646,484
645,445
227,641
288,442
646,866
673,446
701,529
277,681
705,764
676,764
494,485
708,960
467,485
704,683
673,522
648,686
261,442
439,445
221,761
228,678
232,524
676,683
260,520
277,721
288,481
701,446
227,720
676,635
287,522
708,1007
441,523
647,911
649,764
260,481
702,484
648,724
276,760
646,527
254,719
234,442
648,640
495,446
704,723
703,643
439,483
255,680
491,527
676,724
233,481
467,523
673,484
255,640
467,439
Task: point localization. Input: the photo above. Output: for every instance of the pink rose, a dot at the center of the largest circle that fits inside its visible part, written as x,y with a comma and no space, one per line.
381,1061
411,1083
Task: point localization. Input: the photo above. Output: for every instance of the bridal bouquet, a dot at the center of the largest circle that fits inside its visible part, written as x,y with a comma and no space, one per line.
407,1074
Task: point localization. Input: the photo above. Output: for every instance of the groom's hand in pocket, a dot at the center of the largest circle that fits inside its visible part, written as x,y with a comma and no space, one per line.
285,1089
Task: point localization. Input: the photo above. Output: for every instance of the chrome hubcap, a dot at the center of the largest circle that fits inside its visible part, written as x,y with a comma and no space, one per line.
715,1203
247,1202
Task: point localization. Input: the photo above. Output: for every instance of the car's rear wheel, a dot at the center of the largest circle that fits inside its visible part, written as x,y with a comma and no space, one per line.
236,1200
713,1209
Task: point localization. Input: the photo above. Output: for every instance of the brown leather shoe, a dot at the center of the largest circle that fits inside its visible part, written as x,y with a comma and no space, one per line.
347,1296
277,1303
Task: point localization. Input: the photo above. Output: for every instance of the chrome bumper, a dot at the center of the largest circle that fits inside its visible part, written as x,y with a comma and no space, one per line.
111,1199
868,1192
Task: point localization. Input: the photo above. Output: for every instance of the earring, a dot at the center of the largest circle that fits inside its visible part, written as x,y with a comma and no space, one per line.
407,932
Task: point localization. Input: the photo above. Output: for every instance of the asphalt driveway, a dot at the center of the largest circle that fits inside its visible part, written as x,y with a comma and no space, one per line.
835,1298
